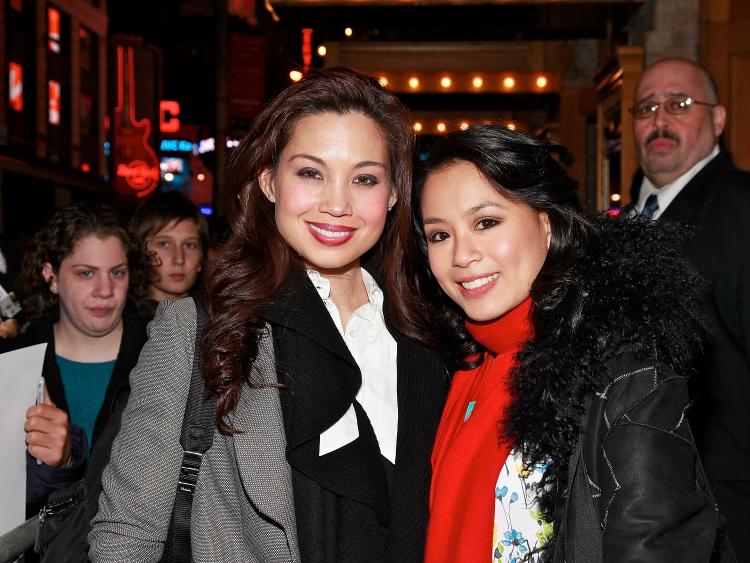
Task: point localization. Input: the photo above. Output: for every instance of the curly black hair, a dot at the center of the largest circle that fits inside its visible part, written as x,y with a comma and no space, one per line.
57,239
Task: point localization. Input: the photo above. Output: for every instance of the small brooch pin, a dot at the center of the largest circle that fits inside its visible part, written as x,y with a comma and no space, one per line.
469,410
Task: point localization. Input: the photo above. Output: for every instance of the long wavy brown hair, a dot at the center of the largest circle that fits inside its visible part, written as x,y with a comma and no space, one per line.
256,261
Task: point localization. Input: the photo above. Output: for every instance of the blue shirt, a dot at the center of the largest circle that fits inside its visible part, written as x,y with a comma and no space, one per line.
85,385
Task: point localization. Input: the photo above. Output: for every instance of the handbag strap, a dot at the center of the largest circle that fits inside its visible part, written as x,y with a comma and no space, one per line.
196,438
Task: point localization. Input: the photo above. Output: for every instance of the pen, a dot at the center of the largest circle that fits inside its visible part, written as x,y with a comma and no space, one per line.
39,400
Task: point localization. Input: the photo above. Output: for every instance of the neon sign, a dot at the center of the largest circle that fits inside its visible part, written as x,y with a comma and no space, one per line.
307,47
137,166
175,145
15,72
170,124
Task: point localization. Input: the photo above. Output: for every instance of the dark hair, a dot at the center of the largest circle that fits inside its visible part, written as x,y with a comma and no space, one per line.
526,171
160,209
57,240
256,260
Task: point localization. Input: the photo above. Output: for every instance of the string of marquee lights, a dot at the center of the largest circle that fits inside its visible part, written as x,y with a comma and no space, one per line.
445,82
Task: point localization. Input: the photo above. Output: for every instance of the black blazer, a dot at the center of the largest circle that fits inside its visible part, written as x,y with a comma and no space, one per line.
717,202
322,379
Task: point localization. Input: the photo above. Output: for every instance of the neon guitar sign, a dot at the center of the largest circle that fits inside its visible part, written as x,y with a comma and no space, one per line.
136,164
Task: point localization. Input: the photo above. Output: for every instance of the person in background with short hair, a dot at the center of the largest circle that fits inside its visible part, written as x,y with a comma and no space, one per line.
687,178
79,272
176,237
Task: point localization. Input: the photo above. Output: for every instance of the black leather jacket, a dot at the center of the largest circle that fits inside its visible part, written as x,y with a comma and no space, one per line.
639,492
601,392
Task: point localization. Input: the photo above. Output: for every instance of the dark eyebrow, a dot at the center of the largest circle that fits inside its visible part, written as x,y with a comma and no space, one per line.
307,156
484,205
90,267
478,207
366,163
363,164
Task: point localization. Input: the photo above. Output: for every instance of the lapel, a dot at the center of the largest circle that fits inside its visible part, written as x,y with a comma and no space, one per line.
322,379
422,388
686,207
688,204
260,445
300,309
133,339
51,372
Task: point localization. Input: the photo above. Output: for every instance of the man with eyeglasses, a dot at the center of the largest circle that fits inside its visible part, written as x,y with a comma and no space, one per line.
686,177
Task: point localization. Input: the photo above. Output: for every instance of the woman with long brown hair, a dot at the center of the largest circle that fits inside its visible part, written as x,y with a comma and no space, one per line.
326,407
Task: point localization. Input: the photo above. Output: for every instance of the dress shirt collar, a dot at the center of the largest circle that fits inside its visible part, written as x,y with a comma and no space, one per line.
666,194
374,293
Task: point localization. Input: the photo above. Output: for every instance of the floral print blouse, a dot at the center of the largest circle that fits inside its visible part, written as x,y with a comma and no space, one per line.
519,530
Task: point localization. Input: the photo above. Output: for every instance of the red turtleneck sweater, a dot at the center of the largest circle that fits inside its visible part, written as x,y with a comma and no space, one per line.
468,452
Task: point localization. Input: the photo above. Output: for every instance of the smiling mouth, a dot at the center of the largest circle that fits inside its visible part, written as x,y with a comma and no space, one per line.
477,283
330,235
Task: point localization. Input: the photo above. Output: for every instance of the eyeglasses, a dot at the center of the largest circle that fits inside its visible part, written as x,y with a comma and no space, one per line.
675,105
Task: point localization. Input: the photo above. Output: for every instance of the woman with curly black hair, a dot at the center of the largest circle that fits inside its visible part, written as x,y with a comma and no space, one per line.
80,270
564,436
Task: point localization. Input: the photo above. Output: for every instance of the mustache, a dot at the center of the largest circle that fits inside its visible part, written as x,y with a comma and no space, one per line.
663,133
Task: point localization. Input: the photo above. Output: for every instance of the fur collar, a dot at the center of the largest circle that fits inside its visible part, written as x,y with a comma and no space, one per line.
632,291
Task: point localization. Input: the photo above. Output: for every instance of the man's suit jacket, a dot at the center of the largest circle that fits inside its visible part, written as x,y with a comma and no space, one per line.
717,202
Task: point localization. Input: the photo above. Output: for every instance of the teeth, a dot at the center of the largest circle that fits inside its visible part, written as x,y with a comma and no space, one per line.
330,234
480,282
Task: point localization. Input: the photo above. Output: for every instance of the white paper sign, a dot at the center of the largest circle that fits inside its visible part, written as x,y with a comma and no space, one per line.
20,371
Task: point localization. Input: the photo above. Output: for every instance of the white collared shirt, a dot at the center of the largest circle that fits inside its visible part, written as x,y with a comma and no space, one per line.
374,350
666,194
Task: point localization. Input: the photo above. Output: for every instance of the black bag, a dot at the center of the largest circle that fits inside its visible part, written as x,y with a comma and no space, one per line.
64,522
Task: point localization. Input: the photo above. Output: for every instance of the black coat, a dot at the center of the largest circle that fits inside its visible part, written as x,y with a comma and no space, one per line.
607,373
351,506
717,202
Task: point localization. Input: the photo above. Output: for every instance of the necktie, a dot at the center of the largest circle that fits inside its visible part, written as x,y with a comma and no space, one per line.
650,207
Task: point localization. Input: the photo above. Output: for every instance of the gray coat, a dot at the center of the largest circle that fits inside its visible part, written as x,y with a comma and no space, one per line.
242,512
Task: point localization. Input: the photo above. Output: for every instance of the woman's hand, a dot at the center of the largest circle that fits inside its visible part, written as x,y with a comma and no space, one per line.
48,433
8,328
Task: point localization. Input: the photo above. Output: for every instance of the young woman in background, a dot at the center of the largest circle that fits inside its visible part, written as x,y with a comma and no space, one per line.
79,272
176,237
